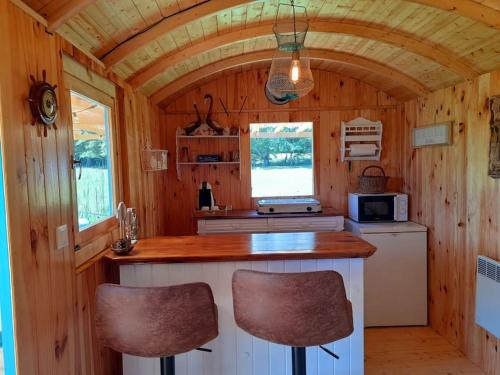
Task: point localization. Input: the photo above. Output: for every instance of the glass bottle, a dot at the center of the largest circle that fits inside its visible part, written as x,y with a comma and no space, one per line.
132,224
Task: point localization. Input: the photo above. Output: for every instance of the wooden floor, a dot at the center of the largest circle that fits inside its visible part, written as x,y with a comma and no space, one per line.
413,351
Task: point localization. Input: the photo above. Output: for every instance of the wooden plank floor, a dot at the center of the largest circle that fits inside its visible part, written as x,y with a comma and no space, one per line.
413,351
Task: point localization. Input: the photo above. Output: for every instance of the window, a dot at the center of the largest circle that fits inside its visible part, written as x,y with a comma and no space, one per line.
92,160
282,159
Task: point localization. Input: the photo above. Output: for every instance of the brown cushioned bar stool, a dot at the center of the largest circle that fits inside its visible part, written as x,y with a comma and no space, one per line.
294,309
156,322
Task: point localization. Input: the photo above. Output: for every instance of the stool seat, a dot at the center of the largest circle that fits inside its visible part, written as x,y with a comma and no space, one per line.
155,321
294,309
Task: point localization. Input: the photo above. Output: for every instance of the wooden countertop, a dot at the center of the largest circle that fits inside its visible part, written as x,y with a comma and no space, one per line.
253,214
246,247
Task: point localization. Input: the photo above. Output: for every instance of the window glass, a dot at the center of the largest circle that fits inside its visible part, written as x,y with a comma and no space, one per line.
91,144
282,159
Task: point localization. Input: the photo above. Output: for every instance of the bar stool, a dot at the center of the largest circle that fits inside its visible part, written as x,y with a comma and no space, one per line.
156,322
294,309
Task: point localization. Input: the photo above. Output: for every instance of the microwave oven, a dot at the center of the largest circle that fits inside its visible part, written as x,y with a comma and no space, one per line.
368,208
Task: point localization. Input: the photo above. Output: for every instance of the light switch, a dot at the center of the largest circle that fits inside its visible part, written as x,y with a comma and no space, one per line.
62,239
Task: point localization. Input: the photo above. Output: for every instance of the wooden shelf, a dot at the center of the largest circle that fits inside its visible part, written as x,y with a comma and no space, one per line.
209,162
207,136
210,147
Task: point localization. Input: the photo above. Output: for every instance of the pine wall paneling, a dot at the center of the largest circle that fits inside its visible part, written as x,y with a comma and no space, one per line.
453,196
53,304
334,98
38,200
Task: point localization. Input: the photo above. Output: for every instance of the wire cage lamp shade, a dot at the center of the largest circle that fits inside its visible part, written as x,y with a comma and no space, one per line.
290,75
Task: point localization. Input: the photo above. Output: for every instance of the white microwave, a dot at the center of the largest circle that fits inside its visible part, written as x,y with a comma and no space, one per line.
369,208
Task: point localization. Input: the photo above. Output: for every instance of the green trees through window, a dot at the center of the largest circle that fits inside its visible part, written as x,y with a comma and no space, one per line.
282,159
91,147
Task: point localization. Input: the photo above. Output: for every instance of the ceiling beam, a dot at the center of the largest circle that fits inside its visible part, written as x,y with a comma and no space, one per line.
345,58
64,11
467,8
167,25
379,33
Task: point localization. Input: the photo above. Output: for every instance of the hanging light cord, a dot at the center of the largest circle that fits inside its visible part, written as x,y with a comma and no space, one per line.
294,26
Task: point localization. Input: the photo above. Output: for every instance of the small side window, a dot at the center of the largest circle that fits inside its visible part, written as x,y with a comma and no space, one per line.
92,160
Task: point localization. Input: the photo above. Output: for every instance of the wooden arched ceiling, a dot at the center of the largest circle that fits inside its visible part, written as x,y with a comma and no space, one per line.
352,46
153,43
379,33
317,54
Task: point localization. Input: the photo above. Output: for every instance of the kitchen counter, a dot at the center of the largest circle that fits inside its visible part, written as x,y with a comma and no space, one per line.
212,259
246,247
253,214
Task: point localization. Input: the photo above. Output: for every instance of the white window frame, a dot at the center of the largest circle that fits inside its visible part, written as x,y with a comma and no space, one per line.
86,235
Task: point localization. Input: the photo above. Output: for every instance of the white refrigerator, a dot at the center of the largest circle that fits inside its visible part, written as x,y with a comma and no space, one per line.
395,289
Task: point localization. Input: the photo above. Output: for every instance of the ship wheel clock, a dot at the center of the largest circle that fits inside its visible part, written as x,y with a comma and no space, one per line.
43,103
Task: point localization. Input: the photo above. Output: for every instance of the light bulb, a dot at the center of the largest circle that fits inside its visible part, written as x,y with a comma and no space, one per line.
295,67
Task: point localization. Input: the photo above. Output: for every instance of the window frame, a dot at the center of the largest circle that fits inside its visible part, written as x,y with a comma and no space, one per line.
314,193
86,235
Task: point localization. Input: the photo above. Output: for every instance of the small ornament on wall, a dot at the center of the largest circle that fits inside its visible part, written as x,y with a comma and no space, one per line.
494,163
43,103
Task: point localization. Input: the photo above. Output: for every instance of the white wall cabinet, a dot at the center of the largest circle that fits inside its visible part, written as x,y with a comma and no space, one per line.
271,224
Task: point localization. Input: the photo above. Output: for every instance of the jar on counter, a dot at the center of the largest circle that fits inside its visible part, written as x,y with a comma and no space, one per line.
132,226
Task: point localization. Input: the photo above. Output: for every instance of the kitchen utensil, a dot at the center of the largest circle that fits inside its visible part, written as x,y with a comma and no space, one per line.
121,215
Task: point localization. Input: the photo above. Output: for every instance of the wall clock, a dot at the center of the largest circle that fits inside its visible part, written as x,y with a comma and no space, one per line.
43,103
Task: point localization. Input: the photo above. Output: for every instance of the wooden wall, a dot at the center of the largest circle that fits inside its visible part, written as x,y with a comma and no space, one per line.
453,196
38,199
53,304
335,98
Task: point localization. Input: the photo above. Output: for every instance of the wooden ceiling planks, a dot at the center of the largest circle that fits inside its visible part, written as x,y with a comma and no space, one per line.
65,10
168,25
195,75
374,32
439,42
467,8
429,73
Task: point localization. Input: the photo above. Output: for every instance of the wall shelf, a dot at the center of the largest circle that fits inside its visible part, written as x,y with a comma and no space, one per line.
209,163
206,145
207,136
361,139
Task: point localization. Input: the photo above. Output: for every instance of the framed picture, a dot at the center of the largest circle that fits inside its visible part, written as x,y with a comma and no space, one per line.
433,135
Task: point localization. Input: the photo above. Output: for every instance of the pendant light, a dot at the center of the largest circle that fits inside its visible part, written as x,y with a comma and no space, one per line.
290,75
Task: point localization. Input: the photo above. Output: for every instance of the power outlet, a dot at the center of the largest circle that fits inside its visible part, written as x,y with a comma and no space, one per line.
62,239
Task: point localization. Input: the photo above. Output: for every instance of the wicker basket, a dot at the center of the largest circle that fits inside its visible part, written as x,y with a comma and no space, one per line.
372,184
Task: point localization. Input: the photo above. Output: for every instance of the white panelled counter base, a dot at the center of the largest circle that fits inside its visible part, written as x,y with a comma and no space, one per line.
234,351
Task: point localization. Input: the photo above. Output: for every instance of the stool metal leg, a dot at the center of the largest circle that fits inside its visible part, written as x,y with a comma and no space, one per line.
167,365
298,361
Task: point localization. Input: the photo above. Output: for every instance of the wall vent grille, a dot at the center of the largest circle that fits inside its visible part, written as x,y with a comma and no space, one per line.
489,268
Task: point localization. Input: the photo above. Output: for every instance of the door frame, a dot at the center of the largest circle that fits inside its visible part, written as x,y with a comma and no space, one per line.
5,285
